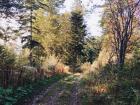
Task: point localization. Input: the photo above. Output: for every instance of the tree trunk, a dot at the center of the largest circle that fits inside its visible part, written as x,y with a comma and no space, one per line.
121,58
31,59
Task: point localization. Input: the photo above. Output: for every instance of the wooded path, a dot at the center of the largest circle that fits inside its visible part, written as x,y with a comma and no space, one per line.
64,92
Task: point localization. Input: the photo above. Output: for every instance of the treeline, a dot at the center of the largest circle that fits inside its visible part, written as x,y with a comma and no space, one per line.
52,44
55,43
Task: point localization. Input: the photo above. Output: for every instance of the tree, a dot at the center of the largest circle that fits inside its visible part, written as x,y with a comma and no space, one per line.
9,8
28,20
55,34
34,47
78,29
122,20
7,34
92,48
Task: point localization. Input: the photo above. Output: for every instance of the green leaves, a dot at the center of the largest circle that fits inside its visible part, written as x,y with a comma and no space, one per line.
6,96
11,96
7,57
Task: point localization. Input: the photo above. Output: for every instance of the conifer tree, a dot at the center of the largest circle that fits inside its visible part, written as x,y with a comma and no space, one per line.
78,29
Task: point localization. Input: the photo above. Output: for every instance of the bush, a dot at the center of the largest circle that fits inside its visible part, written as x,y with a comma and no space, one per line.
53,65
50,63
85,67
117,88
11,96
7,58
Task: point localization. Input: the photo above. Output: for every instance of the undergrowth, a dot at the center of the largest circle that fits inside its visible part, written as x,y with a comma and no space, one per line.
11,96
112,87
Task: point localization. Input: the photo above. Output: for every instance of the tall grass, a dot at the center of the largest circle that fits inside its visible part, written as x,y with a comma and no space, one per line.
111,87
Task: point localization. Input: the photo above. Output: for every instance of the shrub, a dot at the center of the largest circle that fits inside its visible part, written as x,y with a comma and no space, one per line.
53,65
17,96
86,67
7,58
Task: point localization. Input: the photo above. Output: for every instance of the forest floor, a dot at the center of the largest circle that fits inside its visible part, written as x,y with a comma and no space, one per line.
63,92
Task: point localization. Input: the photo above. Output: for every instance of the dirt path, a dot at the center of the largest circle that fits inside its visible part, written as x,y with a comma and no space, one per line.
64,92
75,98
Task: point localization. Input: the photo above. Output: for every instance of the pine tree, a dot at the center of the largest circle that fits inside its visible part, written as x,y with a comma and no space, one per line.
78,29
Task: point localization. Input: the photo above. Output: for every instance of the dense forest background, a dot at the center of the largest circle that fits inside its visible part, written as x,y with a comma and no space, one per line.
53,45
